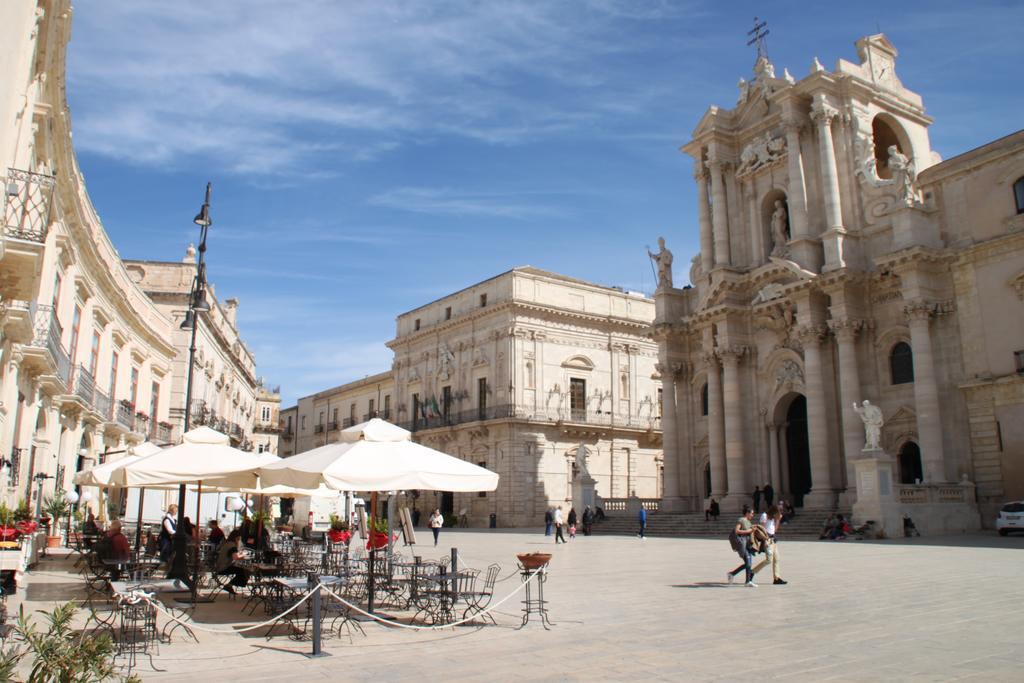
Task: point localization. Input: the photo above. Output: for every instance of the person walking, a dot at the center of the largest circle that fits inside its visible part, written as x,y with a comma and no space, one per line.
642,517
588,520
559,523
769,494
549,520
771,521
572,523
436,522
740,541
757,499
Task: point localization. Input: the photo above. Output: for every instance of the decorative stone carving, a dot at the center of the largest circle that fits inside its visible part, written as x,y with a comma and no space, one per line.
789,372
904,174
846,328
871,415
771,291
763,152
811,334
919,310
479,356
663,261
1018,285
445,358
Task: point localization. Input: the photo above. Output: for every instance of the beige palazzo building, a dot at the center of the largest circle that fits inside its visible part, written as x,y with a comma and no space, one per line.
85,355
541,378
841,261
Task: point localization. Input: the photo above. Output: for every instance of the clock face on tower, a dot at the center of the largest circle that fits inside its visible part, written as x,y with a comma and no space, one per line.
882,69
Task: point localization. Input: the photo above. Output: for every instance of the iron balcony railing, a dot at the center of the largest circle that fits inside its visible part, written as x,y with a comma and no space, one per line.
530,413
14,466
347,422
384,414
318,428
47,336
27,201
125,415
101,403
332,425
85,387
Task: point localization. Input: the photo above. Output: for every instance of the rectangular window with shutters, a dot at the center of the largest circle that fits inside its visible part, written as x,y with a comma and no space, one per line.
373,407
415,411
446,402
57,282
154,403
387,406
113,375
481,398
578,397
94,355
76,322
135,387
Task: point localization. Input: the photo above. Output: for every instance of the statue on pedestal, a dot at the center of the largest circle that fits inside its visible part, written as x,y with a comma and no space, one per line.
871,415
663,259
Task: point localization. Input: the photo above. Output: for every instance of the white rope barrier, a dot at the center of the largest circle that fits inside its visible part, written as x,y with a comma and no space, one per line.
136,596
399,624
148,597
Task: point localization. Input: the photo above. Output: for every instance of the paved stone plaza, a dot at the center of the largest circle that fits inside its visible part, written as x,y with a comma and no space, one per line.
659,609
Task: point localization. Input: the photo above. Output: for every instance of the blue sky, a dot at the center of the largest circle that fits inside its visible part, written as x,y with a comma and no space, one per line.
368,157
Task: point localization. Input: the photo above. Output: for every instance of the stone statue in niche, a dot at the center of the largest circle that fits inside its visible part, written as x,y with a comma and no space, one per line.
904,175
871,415
663,260
780,228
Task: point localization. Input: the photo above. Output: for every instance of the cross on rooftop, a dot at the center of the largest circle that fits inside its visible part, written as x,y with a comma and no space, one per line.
758,36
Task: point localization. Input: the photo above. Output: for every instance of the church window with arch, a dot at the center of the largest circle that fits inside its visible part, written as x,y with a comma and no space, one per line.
901,364
704,399
1018,194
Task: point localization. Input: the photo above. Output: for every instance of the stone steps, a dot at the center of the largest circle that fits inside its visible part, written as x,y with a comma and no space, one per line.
806,524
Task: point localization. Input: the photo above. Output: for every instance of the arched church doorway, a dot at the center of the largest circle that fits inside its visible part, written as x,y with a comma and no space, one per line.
798,452
910,463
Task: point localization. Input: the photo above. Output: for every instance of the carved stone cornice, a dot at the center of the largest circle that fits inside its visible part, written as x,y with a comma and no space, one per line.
811,334
846,329
733,353
919,310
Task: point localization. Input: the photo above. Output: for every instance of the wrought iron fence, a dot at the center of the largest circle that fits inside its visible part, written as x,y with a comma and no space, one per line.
47,336
27,204
163,433
102,404
125,415
14,466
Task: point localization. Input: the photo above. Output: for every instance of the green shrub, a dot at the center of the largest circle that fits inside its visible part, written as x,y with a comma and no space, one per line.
59,653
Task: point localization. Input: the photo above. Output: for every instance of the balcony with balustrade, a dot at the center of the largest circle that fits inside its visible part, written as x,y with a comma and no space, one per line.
45,355
26,218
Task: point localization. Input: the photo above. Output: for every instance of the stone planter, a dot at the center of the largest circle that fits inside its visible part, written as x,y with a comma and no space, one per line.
53,541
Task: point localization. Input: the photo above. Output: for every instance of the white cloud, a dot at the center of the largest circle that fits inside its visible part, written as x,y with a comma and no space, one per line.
446,201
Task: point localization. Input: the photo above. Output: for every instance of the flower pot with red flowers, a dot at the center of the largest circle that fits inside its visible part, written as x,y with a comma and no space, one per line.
8,529
339,531
378,536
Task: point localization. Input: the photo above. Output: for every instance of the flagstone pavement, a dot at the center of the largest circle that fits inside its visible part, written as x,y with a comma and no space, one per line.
929,609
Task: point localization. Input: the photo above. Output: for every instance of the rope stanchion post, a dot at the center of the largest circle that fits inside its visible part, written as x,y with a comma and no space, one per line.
314,587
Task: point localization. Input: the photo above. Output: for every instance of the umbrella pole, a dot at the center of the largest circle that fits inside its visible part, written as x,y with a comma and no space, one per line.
138,525
195,562
373,552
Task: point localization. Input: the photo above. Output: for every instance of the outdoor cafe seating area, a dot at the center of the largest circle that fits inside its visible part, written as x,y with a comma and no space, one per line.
277,585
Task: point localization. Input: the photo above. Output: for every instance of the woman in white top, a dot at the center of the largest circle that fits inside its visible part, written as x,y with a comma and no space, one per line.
771,521
436,522
167,529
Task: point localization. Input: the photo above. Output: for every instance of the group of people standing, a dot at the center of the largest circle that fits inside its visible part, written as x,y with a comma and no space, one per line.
555,521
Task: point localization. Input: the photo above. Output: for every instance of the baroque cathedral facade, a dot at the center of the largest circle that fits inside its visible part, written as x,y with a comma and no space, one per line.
842,260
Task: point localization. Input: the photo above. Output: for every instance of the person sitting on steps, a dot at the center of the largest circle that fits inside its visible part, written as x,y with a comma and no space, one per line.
712,510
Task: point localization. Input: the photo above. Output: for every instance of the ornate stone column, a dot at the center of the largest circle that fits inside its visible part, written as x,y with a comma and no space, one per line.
671,457
849,392
822,492
823,114
716,429
796,196
926,391
707,240
735,453
719,214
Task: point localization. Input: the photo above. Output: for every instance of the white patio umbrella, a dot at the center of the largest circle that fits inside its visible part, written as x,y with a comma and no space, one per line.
102,475
378,456
203,457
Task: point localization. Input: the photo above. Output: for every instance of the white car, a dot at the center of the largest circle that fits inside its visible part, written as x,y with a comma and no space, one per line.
1011,518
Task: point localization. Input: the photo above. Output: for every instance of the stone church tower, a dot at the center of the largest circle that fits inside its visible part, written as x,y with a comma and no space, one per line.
826,276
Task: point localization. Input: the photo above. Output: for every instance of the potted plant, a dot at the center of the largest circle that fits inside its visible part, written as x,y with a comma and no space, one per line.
378,533
56,506
8,532
23,521
339,532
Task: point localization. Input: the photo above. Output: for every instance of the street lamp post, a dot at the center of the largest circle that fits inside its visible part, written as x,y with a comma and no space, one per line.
197,303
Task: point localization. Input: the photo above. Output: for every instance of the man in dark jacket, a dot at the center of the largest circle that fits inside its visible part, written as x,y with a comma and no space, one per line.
588,520
769,495
549,520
